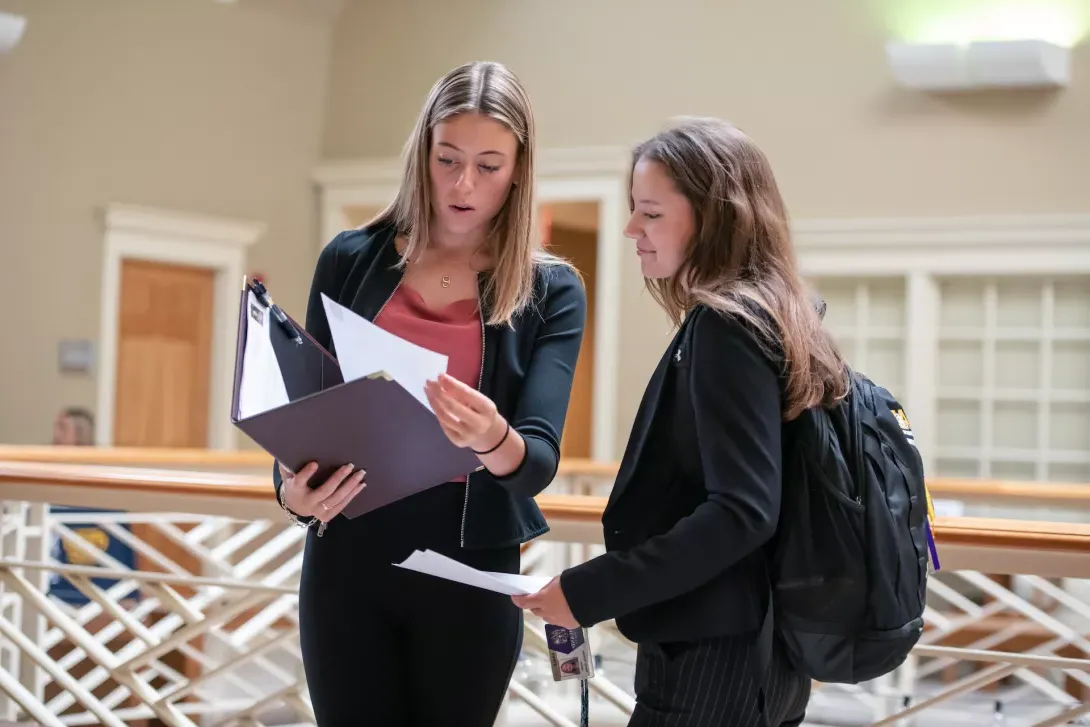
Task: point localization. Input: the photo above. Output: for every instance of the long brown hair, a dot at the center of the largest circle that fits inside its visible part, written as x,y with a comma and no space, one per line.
492,90
741,261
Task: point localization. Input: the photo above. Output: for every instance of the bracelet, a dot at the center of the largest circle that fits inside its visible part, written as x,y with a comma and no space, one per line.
498,444
291,516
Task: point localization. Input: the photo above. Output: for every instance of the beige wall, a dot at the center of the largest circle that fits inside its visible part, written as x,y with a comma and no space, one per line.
806,79
183,104
223,109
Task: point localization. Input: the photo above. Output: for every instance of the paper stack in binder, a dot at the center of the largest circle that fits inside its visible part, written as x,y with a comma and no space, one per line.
366,407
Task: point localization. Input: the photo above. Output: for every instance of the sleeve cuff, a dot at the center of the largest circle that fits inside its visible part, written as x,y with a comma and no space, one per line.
578,584
535,472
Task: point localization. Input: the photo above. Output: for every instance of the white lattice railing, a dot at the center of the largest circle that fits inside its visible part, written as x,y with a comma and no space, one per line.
180,604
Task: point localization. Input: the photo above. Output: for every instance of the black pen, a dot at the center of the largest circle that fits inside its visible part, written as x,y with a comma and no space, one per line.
281,317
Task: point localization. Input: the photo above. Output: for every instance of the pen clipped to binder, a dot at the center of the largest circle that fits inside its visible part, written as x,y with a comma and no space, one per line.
278,315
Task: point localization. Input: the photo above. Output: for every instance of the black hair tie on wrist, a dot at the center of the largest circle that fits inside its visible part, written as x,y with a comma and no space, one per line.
498,444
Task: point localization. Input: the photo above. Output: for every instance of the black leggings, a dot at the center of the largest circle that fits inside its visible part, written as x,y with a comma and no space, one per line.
386,646
714,683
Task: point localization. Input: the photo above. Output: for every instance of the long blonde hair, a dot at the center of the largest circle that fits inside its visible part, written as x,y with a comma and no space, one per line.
741,260
514,245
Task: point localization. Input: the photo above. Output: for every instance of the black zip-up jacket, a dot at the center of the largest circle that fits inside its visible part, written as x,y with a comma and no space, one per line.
697,496
527,371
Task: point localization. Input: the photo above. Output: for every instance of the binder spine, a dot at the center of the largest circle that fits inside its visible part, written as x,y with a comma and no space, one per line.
240,349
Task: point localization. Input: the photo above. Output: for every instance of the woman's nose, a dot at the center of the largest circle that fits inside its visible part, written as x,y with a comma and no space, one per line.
466,181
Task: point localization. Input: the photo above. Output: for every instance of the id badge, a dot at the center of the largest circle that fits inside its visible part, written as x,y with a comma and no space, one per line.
569,653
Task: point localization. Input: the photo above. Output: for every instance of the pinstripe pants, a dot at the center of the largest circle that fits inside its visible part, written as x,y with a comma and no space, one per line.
714,683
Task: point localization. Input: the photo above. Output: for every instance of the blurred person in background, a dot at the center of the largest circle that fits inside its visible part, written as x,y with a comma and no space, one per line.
697,496
74,426
451,265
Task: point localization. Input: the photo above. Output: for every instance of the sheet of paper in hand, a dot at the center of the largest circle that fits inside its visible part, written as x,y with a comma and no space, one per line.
440,566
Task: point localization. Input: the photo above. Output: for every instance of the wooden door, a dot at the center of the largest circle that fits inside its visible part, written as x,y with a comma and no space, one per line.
580,246
163,355
359,215
164,358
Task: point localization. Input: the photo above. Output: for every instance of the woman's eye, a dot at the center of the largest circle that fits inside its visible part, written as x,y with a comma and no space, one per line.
487,168
444,160
652,215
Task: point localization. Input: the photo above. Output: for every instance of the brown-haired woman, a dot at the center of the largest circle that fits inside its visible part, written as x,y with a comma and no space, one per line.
697,496
452,265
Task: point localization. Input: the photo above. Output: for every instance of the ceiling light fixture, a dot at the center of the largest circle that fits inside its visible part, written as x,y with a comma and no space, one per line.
991,64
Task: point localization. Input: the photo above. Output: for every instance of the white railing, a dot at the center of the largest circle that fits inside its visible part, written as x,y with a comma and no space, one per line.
177,600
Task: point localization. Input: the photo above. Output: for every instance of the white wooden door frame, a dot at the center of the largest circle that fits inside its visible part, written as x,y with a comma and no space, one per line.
563,175
164,236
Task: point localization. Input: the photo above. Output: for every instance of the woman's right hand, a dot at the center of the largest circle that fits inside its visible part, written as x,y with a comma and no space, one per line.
327,500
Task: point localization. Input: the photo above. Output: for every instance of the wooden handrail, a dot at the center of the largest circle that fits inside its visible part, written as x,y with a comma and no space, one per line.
168,457
138,456
971,490
1070,538
1035,493
137,480
1023,534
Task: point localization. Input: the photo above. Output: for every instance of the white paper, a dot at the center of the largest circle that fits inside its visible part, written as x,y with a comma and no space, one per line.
261,387
440,566
364,349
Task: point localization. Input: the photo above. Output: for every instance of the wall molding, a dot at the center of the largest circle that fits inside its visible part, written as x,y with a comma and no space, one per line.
998,230
168,223
596,174
167,236
978,245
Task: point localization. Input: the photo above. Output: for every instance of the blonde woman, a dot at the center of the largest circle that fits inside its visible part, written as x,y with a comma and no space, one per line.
452,265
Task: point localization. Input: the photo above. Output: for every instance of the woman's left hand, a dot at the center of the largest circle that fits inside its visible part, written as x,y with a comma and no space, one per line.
549,604
468,417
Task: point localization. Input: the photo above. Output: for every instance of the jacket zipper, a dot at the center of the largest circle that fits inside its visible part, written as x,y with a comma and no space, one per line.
480,382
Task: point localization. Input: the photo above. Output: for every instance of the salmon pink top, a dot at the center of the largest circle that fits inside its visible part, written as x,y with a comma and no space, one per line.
453,330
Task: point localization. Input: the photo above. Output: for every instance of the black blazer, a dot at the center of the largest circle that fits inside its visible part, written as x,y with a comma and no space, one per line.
527,371
696,497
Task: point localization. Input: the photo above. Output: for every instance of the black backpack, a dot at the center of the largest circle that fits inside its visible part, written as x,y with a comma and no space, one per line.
848,566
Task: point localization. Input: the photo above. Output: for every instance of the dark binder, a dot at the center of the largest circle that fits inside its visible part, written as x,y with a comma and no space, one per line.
373,423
